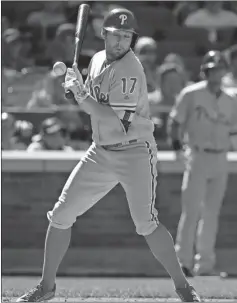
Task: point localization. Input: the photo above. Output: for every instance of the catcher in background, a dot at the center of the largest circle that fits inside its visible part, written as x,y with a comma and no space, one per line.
123,151
207,114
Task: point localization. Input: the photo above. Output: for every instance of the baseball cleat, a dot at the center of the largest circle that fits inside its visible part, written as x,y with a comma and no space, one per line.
37,294
188,294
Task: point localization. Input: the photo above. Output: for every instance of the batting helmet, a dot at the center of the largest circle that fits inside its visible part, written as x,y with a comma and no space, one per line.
122,19
213,59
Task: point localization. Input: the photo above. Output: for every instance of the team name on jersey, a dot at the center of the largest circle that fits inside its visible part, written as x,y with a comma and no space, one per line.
215,117
97,94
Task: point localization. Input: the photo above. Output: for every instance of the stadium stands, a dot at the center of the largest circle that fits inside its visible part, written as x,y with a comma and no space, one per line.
156,20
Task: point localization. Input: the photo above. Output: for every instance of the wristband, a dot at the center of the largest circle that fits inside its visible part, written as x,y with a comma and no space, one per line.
177,145
80,97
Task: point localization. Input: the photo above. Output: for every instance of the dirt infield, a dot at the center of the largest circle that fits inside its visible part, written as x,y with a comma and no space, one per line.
117,290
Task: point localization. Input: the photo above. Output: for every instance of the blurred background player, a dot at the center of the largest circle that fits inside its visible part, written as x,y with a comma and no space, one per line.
207,114
171,81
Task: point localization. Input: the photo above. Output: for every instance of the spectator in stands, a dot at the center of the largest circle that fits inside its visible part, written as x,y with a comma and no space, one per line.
183,9
178,60
93,41
51,14
16,50
23,134
230,79
7,131
233,6
62,47
212,16
5,24
49,93
99,10
4,87
147,51
52,136
172,81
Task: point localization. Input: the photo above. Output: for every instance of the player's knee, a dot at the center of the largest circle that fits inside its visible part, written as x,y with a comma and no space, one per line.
148,227
145,219
61,217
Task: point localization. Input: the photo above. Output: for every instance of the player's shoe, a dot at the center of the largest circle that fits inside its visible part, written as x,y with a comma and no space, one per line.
188,294
37,294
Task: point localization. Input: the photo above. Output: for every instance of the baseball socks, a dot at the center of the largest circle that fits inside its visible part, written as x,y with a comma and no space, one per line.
162,246
56,245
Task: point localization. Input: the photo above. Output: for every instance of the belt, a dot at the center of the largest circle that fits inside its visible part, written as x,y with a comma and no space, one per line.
120,144
210,150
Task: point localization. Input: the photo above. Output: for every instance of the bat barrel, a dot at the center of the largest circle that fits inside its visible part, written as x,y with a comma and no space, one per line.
82,18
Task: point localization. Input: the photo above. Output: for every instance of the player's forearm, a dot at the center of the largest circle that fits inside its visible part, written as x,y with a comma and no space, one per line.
94,108
174,134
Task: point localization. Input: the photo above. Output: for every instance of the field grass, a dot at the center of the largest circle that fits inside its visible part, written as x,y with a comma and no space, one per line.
122,289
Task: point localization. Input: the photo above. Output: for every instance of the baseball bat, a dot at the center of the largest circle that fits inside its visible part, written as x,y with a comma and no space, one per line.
82,18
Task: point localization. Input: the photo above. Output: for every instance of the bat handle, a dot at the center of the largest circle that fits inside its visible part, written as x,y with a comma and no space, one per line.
69,95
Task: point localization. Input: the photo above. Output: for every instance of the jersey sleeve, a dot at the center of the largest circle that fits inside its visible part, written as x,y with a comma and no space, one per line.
87,81
181,109
124,90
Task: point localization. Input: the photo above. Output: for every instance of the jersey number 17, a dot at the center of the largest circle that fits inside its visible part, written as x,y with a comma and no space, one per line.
128,85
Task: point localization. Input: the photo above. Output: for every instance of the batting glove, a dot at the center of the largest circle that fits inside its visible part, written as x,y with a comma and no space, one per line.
74,83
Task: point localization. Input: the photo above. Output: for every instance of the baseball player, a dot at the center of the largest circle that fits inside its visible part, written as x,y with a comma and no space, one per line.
230,82
123,151
207,114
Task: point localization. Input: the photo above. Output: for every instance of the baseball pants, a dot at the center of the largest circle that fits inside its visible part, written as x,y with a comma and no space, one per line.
203,189
133,166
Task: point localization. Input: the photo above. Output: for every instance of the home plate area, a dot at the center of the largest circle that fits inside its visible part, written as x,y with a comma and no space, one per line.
133,300
118,290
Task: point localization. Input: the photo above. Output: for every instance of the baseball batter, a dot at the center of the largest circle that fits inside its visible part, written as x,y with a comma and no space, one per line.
207,113
123,151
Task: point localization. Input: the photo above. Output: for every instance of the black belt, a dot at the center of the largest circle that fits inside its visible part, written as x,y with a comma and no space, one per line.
120,144
210,150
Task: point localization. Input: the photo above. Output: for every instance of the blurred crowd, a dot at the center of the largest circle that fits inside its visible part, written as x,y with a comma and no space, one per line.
36,115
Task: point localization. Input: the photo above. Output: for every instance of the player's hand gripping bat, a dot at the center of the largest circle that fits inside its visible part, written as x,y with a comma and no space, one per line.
82,18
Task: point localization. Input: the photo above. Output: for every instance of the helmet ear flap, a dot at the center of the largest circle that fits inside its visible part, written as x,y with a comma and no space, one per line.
134,41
